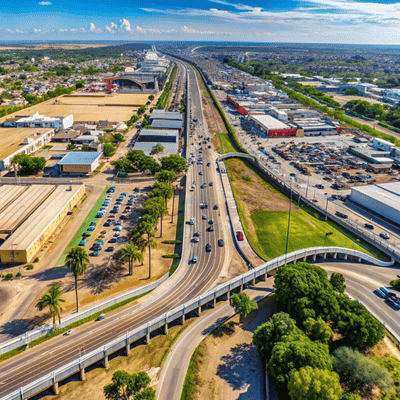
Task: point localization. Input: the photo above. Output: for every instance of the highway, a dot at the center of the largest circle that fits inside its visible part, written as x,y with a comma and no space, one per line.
189,281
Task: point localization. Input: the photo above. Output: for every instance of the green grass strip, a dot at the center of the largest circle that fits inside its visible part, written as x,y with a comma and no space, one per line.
83,228
61,331
190,379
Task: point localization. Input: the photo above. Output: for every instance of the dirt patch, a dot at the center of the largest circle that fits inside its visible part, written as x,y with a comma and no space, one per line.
229,366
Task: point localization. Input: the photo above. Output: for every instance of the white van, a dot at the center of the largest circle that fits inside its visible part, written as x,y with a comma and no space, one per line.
191,221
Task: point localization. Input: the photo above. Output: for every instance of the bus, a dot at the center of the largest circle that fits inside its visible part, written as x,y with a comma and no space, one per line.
384,290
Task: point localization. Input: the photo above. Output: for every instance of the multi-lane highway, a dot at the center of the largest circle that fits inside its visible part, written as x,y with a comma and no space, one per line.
188,282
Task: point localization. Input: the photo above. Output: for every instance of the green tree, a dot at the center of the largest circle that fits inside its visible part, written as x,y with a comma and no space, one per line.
318,330
395,283
151,97
314,384
358,372
351,396
119,137
108,149
127,386
243,305
53,300
337,281
156,206
165,190
77,260
131,253
174,162
123,165
27,164
294,352
271,332
157,148
166,176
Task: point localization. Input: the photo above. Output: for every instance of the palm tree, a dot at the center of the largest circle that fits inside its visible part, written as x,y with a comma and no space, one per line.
52,299
155,207
147,228
131,253
152,244
243,305
77,260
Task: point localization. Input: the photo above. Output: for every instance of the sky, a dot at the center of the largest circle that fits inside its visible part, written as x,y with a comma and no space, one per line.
311,21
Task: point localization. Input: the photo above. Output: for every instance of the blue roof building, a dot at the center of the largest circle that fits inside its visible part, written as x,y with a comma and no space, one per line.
79,163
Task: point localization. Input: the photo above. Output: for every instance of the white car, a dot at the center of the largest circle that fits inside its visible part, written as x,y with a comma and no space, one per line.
384,235
68,332
191,221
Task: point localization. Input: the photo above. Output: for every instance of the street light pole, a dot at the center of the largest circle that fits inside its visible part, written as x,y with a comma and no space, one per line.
308,180
288,229
173,206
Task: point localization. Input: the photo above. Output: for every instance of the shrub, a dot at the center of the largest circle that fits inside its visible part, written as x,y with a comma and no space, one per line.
18,274
395,283
172,241
36,260
9,276
30,266
357,372
172,256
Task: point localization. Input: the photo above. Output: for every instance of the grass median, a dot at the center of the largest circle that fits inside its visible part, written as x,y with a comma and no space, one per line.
83,228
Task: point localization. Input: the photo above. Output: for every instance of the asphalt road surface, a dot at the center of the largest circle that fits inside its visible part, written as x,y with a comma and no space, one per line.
188,282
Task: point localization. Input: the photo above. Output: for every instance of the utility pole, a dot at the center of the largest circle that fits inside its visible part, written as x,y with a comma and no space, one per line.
326,209
308,180
288,229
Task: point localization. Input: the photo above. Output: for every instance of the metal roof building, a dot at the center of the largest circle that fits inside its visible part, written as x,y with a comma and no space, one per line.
158,136
169,148
79,163
383,199
167,124
161,114
272,126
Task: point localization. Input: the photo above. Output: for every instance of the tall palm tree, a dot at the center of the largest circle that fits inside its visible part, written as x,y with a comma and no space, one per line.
152,244
77,260
52,299
147,229
156,207
131,253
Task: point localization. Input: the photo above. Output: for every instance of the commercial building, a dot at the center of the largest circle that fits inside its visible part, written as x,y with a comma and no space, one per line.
79,163
148,138
165,115
39,121
24,243
383,199
272,126
316,126
21,140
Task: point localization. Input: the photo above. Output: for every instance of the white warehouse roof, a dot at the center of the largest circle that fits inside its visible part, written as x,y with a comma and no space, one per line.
267,122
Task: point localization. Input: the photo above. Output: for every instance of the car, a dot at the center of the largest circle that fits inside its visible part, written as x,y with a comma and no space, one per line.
341,215
68,332
110,191
211,228
91,228
292,174
369,226
107,223
194,182
191,222
114,211
117,234
201,173
239,235
123,194
110,248
132,196
94,223
128,207
130,203
106,203
206,206
319,186
198,233
118,228
113,240
208,164
384,235
196,239
87,233
203,186
208,247
215,207
119,223
221,243
99,215
121,198
204,217
194,260
99,243
201,206
211,184
101,317
123,216
314,200
209,146
136,189
211,221
111,216
96,253
82,242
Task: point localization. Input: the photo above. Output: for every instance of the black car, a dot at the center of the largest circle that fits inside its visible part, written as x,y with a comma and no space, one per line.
215,207
208,247
221,243
341,215
136,189
211,221
369,226
206,205
110,248
211,184
211,228
208,164
107,223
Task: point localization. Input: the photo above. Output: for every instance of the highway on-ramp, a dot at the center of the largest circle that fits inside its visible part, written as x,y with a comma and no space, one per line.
188,282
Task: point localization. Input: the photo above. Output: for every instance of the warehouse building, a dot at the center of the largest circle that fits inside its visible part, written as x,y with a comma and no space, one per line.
272,127
39,121
316,126
383,199
24,243
167,124
148,138
166,115
79,163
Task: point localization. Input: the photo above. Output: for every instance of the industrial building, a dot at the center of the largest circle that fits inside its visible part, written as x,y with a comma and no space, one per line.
21,140
272,126
383,199
316,126
160,119
39,121
148,138
51,205
79,163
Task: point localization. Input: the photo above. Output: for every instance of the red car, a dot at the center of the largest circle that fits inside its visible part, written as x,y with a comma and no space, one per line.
239,235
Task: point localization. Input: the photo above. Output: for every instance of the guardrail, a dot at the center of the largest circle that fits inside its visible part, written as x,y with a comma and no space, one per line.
45,329
162,321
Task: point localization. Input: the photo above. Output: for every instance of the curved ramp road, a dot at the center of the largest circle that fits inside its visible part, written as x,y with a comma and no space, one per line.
188,282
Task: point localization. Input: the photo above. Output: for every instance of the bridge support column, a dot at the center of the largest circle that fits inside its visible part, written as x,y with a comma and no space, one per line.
228,295
166,329
214,302
183,319
325,256
335,256
199,311
82,373
128,349
240,288
314,257
359,259
105,361
55,388
253,281
147,338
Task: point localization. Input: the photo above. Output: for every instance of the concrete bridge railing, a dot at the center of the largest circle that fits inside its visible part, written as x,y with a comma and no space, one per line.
220,293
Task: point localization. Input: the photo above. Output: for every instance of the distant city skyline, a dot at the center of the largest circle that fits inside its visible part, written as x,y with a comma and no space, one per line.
312,21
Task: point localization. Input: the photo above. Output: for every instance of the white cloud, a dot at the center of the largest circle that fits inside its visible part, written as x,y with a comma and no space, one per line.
45,3
152,30
125,25
93,29
112,28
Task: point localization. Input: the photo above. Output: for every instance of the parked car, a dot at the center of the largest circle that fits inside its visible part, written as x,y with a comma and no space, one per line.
117,234
101,317
113,240
96,253
110,248
208,247
221,243
91,228
215,207
136,189
369,226
194,260
211,228
118,228
204,217
82,242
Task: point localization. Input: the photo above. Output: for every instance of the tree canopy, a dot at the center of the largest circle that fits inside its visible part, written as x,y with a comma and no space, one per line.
27,164
174,162
337,281
108,149
243,304
127,386
166,176
318,330
314,384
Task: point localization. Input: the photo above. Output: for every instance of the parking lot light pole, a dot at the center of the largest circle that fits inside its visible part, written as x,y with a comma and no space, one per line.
288,229
308,180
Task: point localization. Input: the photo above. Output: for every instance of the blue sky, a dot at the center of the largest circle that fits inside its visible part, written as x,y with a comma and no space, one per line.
312,21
